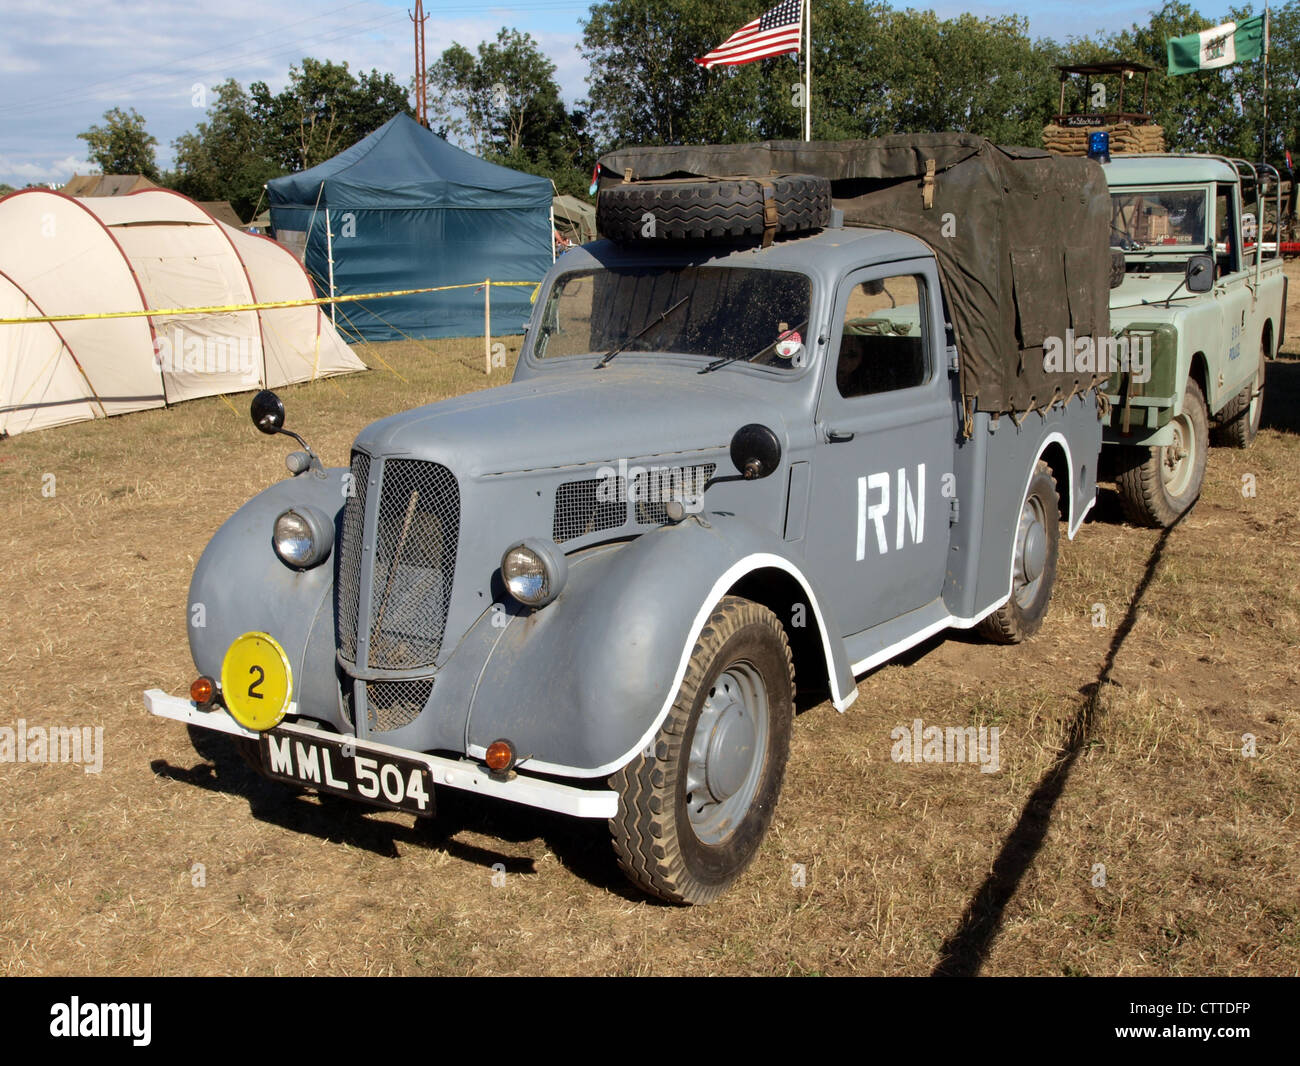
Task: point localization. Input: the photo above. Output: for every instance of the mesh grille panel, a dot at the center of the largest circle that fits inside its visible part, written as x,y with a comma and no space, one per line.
415,560
347,581
653,489
580,510
394,704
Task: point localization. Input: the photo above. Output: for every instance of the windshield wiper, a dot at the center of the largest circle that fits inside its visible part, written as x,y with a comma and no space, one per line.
727,360
639,334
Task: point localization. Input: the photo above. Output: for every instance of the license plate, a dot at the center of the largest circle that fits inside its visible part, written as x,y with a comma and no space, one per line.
340,767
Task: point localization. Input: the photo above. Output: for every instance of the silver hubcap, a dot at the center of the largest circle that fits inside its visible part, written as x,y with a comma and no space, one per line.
727,753
1177,459
1031,551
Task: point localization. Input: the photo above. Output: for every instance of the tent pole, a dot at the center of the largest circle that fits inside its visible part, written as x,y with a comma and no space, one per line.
329,252
487,326
552,229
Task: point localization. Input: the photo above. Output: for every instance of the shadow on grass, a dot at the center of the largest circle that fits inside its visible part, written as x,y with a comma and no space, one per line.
964,952
581,846
1281,396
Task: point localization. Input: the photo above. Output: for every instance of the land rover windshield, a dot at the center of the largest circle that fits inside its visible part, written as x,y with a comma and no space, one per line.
740,313
1158,220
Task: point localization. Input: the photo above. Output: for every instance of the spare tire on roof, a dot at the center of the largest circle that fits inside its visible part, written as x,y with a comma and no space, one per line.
727,208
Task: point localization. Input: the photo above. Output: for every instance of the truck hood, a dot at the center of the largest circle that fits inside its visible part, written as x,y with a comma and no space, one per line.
571,419
1148,292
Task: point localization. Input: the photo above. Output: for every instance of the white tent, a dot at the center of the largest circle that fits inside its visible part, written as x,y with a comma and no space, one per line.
152,250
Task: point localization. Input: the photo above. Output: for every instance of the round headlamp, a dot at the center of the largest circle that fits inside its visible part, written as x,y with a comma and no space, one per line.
534,572
303,537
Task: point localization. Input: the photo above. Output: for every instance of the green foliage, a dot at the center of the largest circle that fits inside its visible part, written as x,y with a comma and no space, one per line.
503,104
251,136
323,110
122,145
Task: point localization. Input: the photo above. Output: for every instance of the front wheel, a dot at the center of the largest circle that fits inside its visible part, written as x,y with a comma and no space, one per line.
1158,485
1033,565
695,805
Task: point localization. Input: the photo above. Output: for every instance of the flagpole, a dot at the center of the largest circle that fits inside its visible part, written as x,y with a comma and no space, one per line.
807,75
1263,149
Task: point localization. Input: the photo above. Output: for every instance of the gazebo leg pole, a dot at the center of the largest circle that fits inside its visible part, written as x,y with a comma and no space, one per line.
487,326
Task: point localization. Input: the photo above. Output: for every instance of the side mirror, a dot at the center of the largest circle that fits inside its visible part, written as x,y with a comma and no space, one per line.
1200,273
755,451
267,411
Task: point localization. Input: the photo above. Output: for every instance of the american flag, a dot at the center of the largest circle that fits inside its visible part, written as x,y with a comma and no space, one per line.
775,33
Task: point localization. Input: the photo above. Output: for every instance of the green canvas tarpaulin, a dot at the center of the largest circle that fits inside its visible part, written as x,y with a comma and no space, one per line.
1022,238
407,210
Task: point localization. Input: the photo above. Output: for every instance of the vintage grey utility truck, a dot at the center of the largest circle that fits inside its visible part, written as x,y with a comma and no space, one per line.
1201,309
772,431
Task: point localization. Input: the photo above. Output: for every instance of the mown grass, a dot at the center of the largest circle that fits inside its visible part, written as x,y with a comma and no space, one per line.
1121,748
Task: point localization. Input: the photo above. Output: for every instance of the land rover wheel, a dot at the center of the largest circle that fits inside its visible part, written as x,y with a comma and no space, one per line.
696,804
1158,485
1033,566
1239,419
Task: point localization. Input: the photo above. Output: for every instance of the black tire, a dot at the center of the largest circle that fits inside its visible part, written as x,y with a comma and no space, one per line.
726,209
1239,420
1038,538
1154,487
662,833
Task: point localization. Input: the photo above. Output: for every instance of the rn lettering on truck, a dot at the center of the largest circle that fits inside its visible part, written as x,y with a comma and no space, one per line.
874,495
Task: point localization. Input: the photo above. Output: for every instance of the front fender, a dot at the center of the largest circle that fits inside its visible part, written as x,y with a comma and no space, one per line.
582,685
240,585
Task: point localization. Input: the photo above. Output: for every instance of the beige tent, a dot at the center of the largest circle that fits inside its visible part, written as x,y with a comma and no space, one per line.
150,250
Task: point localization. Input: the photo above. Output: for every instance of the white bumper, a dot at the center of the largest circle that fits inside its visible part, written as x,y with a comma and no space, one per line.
449,773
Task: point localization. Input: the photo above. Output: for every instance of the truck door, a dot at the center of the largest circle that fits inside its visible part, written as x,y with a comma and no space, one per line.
1232,296
886,429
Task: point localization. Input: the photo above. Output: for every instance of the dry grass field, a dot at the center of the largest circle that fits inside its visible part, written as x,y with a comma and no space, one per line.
1121,746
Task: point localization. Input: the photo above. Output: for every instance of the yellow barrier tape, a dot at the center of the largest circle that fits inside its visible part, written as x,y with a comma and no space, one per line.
267,306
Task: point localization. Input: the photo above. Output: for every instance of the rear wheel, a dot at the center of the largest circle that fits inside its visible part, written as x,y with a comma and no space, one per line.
695,806
1033,569
1240,417
1158,485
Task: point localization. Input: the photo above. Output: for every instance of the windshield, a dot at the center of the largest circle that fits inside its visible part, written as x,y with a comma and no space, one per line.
736,313
1158,219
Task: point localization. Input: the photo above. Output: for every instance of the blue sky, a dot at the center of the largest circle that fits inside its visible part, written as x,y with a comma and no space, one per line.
63,65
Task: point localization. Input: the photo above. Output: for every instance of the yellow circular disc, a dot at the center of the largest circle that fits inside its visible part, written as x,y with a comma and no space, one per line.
256,681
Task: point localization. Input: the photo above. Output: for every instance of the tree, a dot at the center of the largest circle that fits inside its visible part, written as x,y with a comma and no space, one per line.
225,157
503,104
122,145
323,110
875,71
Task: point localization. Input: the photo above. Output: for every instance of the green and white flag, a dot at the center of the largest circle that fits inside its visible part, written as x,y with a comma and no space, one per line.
1221,46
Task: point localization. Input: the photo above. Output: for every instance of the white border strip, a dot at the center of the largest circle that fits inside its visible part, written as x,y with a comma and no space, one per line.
451,773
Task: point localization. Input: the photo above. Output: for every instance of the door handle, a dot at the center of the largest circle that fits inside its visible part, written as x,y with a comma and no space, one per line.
838,436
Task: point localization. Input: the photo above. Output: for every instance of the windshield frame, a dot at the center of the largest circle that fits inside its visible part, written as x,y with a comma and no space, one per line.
671,357
1145,253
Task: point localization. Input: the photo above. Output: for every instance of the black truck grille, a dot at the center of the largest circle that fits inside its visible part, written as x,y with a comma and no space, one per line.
414,561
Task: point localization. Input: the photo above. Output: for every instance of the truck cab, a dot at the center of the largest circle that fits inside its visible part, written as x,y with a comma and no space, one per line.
725,471
1199,313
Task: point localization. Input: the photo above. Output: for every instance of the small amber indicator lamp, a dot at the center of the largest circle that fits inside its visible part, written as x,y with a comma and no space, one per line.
202,689
500,756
